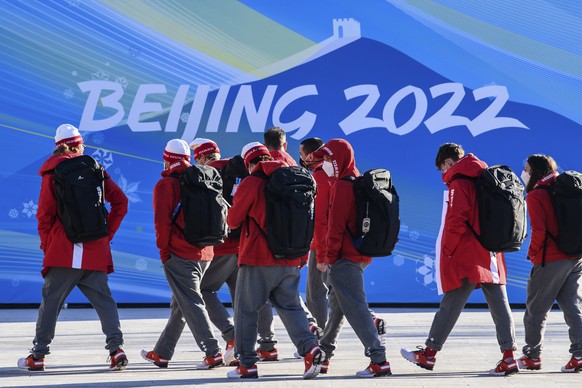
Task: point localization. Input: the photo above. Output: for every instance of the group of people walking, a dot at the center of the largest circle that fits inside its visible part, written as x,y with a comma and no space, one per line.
259,281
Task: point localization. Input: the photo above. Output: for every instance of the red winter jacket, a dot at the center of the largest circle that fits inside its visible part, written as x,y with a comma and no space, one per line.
169,238
249,202
462,256
283,156
229,246
342,210
324,184
543,219
58,250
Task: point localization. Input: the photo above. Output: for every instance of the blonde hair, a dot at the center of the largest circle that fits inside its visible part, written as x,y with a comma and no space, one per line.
63,149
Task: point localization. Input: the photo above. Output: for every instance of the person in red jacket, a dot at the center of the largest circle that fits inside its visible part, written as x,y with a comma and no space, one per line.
346,265
555,276
466,265
261,277
184,265
67,264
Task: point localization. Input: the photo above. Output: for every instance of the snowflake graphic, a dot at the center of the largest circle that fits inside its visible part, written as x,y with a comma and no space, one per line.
29,208
425,271
184,117
13,213
68,94
134,52
104,158
74,73
398,260
117,171
122,81
414,235
100,75
73,3
141,264
130,189
98,138
15,283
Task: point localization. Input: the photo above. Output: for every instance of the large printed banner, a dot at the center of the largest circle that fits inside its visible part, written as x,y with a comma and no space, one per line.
396,78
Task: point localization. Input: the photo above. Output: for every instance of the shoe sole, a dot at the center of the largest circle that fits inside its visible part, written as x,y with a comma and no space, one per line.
504,373
381,374
206,367
575,370
163,366
121,365
253,376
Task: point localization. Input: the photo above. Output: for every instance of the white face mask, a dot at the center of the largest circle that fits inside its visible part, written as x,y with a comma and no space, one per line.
525,177
328,168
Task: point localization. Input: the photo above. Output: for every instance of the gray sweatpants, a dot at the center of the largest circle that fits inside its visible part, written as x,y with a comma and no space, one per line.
222,269
560,281
316,291
452,305
256,285
187,307
58,284
347,298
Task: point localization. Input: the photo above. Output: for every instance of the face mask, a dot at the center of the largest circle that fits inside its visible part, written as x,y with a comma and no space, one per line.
303,163
328,168
525,177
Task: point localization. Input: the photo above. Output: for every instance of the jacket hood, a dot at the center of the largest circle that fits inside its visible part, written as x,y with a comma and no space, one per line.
219,164
177,167
268,167
469,166
54,160
342,158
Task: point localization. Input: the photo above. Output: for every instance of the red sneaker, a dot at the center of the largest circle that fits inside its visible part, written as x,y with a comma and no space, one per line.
118,360
505,367
375,370
268,355
313,360
573,366
243,373
210,362
524,362
419,357
30,363
154,358
324,367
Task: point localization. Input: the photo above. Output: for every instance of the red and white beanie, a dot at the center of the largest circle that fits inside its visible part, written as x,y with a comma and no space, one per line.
202,146
176,149
253,150
69,135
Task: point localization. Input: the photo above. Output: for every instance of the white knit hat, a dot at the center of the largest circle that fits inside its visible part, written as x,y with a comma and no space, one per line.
69,135
253,150
176,149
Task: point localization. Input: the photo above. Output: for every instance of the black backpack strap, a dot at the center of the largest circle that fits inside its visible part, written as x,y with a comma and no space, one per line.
258,227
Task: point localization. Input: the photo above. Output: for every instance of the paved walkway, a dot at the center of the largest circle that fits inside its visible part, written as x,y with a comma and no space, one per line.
78,358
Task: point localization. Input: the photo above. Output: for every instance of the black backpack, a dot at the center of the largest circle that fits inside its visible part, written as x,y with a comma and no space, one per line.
502,211
232,174
566,192
203,205
80,193
378,213
289,197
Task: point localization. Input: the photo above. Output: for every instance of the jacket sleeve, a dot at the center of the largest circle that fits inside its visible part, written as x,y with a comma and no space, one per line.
163,210
46,212
321,215
537,217
118,201
458,214
341,200
244,198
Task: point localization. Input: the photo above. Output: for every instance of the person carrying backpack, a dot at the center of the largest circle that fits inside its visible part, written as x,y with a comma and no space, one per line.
466,265
184,265
555,275
261,276
84,264
346,265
